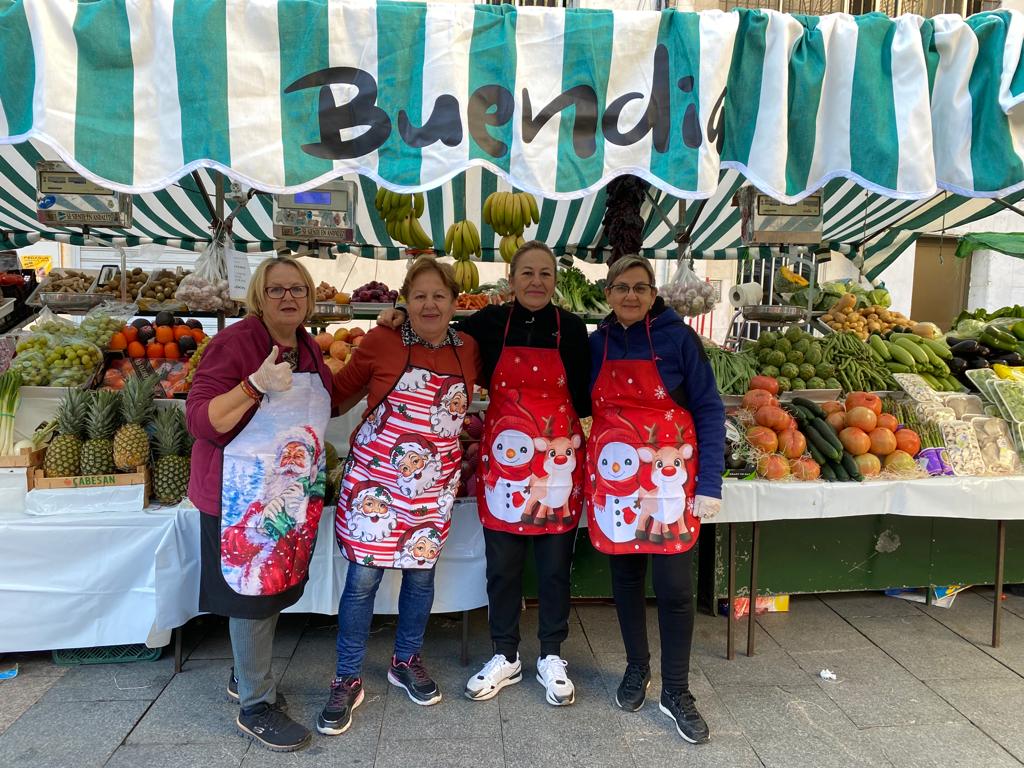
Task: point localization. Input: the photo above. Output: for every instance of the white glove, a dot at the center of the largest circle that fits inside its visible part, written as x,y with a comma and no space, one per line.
391,318
705,507
271,376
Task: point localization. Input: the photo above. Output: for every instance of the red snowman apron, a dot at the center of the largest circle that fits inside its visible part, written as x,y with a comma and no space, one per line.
402,472
641,462
531,457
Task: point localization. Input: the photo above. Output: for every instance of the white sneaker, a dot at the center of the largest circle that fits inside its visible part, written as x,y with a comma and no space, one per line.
551,674
495,675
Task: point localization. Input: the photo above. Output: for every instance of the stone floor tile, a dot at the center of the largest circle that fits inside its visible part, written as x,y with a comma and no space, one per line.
61,735
18,694
931,747
971,618
143,680
227,754
929,650
667,749
810,625
994,706
568,748
862,605
768,666
441,752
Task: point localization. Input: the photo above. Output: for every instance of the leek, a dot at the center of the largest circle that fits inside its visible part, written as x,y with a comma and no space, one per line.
10,398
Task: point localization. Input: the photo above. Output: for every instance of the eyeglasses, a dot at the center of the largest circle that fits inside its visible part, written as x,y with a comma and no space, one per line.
296,291
642,290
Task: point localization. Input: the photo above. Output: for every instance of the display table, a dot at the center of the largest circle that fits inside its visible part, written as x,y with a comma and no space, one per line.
84,580
971,498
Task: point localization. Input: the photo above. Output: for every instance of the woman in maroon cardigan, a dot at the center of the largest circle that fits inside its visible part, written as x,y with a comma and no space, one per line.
258,408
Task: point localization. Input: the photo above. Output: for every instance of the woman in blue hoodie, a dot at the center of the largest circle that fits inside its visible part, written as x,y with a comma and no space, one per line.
654,469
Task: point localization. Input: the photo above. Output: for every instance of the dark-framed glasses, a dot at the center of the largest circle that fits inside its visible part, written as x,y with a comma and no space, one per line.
296,291
642,290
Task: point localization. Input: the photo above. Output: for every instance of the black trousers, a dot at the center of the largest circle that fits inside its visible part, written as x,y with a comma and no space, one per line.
506,555
673,588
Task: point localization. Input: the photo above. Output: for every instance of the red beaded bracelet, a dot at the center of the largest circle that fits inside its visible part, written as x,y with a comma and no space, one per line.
250,390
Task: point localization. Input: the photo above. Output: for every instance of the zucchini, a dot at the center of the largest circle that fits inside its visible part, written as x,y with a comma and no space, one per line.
841,474
827,473
880,348
808,405
902,356
826,431
933,382
940,348
895,367
850,465
913,348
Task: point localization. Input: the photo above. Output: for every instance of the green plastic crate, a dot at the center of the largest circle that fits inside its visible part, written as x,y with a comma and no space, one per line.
109,654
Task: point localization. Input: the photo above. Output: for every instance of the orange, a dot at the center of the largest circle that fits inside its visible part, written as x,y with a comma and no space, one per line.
181,330
135,349
130,332
164,334
118,341
171,351
198,334
154,350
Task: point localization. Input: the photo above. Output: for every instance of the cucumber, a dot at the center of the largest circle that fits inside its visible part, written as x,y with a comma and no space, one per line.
841,474
807,405
824,447
902,356
812,449
895,367
876,343
829,434
827,473
850,465
913,348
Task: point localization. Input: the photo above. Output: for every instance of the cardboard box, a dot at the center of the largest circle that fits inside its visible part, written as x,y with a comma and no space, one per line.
764,604
27,458
139,477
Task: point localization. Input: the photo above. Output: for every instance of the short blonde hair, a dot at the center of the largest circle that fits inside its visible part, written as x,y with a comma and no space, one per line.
257,292
532,245
627,262
429,264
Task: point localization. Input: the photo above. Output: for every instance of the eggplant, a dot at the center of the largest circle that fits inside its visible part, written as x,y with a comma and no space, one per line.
1010,358
957,365
952,341
986,352
978,362
965,348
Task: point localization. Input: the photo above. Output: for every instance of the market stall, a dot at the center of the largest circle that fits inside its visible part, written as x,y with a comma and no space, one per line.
508,104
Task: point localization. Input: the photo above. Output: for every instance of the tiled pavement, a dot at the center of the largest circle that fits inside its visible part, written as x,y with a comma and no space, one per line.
917,686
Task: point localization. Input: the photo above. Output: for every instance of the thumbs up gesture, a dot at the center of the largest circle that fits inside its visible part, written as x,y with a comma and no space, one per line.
272,376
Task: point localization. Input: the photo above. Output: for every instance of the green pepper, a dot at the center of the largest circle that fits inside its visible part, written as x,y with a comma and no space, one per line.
1018,330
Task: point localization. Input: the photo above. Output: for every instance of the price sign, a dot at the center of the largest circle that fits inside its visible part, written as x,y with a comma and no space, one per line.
239,273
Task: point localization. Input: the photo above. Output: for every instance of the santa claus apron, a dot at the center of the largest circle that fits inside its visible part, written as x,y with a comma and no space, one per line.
641,462
272,492
531,460
402,472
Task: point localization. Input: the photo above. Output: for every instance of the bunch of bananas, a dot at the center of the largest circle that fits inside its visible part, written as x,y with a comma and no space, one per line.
510,213
462,240
401,215
509,245
467,275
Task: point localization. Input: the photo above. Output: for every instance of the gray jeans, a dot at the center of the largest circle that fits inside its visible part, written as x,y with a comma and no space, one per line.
252,644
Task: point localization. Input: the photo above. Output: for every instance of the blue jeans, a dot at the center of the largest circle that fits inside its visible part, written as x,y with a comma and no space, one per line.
355,612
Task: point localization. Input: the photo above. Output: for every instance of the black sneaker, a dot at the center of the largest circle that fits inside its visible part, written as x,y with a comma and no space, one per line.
682,708
336,716
412,676
273,729
281,702
632,691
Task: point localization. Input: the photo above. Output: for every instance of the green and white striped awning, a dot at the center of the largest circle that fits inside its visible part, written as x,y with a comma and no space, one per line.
285,94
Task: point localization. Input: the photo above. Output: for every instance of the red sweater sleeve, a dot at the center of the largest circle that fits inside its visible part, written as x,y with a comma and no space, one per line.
223,366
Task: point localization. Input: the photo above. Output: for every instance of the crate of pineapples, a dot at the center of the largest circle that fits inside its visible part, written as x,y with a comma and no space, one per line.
115,438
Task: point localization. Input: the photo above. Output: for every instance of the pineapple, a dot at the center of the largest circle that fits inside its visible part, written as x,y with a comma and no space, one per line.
131,443
64,455
171,446
103,421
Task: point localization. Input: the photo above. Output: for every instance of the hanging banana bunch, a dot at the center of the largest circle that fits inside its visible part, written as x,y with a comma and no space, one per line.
401,214
509,245
510,213
462,241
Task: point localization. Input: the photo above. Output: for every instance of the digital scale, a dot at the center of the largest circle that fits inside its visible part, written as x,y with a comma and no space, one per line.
324,215
66,198
766,221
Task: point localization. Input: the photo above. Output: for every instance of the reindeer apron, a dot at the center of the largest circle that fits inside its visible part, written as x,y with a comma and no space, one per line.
531,459
641,462
402,472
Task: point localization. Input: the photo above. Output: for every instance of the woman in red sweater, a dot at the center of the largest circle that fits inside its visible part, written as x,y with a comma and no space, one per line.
400,480
258,408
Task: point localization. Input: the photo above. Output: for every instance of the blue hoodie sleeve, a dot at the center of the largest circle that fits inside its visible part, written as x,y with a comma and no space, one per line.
708,412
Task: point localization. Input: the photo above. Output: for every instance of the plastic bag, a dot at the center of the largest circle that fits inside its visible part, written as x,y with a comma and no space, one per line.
206,289
51,323
56,360
159,294
105,320
687,294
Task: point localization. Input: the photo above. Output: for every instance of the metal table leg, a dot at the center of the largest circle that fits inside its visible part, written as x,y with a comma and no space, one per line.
752,614
730,649
177,649
464,653
997,610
